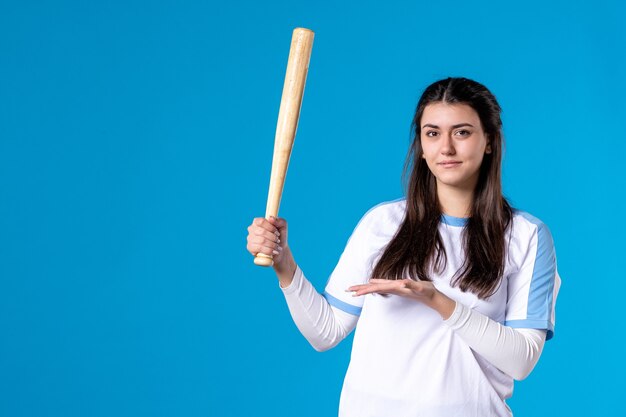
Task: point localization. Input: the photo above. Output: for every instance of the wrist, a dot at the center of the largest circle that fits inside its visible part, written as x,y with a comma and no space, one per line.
286,269
443,304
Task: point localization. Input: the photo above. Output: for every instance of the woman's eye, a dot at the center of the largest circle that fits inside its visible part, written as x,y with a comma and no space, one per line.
463,132
431,133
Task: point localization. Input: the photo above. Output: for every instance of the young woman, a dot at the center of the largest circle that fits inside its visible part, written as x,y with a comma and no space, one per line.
451,290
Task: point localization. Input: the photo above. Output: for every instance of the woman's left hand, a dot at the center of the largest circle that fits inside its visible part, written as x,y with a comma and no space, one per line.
423,291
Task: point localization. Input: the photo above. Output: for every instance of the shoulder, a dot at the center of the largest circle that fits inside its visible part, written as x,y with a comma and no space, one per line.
525,223
530,233
525,216
385,213
382,220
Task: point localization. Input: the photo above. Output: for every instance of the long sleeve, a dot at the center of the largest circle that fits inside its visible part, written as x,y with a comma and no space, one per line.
323,325
513,351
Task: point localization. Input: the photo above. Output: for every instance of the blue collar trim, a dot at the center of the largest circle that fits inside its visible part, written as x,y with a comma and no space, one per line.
454,221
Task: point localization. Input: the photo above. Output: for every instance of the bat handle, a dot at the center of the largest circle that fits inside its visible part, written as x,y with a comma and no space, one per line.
262,259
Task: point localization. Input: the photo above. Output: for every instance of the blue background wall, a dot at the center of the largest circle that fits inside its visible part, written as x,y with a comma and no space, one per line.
135,149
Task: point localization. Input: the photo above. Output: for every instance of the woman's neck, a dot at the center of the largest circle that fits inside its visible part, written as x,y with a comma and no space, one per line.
454,201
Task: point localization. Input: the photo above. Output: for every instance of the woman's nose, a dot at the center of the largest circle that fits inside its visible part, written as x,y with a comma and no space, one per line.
447,146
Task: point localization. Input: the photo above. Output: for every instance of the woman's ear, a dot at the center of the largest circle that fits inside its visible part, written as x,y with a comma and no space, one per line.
488,147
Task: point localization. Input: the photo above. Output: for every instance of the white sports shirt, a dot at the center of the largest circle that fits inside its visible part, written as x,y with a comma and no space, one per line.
405,360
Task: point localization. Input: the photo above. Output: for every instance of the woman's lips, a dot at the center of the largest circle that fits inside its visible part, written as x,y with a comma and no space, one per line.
450,164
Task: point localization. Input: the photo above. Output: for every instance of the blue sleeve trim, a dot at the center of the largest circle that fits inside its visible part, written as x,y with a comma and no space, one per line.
342,305
533,324
541,294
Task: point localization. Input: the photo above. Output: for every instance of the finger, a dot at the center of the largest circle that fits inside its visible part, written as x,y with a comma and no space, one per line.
364,291
373,291
280,223
401,283
378,285
385,283
265,242
367,289
357,287
255,249
390,287
274,237
261,222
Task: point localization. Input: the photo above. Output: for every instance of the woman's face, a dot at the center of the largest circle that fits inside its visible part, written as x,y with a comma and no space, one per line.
453,144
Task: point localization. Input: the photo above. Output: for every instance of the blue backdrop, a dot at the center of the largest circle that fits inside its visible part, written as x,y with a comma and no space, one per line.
135,149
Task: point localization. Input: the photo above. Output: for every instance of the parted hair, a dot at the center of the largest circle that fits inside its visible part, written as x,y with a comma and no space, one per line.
417,246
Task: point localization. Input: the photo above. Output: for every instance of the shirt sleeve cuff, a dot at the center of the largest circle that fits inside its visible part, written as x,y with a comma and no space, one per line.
458,317
295,283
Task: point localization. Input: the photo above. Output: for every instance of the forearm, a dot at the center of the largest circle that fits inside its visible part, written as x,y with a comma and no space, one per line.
321,324
513,351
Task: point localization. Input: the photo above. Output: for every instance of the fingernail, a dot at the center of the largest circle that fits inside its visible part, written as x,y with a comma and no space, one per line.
275,252
278,241
280,248
277,233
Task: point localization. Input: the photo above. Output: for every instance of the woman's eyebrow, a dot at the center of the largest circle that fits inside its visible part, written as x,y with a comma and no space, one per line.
453,126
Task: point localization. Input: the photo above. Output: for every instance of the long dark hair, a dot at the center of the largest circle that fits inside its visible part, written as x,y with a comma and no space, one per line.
417,245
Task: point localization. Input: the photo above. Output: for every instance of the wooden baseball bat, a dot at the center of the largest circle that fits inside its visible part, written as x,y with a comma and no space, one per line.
288,115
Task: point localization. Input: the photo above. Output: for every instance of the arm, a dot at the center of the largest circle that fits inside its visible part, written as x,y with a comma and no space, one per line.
323,320
323,325
513,351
